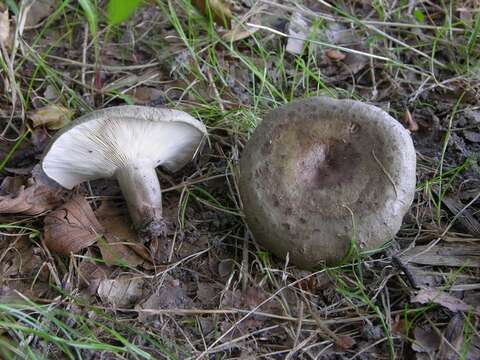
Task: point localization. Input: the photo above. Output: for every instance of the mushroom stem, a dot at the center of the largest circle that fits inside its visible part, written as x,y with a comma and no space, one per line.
141,190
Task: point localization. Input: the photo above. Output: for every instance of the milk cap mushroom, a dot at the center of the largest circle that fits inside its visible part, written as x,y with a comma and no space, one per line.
319,172
127,143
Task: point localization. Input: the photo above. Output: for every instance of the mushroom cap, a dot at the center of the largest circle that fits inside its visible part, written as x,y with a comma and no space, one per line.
97,144
313,163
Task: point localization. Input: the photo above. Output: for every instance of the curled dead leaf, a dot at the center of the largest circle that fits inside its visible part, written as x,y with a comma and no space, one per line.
221,13
53,116
72,227
29,199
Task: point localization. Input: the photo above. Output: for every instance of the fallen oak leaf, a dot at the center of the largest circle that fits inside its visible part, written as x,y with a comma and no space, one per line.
53,116
72,227
32,199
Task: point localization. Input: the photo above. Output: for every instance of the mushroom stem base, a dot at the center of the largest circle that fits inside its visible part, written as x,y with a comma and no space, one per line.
142,192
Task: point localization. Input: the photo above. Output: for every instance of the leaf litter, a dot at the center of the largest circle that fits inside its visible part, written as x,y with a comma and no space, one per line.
71,227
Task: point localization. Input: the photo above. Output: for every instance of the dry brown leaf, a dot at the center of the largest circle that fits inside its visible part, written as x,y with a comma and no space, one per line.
169,296
53,116
225,267
450,302
145,95
344,341
231,299
121,292
115,252
206,294
72,227
4,27
32,199
91,274
221,13
355,62
121,243
399,326
38,11
335,55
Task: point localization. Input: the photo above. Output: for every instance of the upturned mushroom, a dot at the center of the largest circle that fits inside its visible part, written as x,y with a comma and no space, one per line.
126,143
319,173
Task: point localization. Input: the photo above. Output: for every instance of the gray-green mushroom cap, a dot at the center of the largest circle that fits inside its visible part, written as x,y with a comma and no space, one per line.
319,173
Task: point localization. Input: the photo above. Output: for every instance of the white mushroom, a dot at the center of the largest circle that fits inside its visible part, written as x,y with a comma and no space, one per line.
128,143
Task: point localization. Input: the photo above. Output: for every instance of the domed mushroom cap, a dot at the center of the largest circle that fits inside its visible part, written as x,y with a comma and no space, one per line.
309,165
96,145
